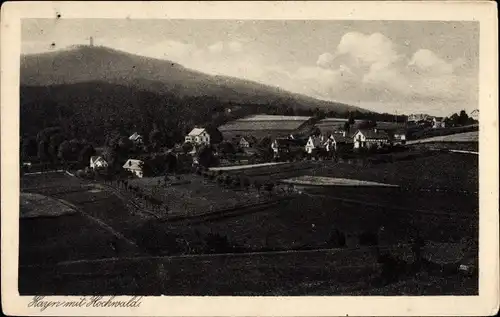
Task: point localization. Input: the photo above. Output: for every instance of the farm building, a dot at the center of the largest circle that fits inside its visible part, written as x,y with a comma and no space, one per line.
198,136
135,167
438,122
418,117
247,141
314,142
260,126
285,145
370,138
399,136
338,140
136,138
97,162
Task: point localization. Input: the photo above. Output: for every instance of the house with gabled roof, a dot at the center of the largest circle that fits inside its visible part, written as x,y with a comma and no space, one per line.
136,138
135,167
338,140
97,162
198,136
247,141
438,122
314,142
370,138
286,145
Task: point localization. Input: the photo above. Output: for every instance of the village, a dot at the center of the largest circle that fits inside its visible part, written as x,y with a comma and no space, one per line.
261,139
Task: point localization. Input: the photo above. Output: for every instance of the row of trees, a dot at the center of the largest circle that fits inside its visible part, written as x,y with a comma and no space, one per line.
241,182
459,119
51,146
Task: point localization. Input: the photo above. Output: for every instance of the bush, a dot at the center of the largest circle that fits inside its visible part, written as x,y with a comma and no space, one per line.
216,243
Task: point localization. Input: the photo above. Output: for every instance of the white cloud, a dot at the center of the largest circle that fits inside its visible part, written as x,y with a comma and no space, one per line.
427,61
370,49
325,60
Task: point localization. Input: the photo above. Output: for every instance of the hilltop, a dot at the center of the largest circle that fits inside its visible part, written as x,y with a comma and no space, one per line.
91,90
87,64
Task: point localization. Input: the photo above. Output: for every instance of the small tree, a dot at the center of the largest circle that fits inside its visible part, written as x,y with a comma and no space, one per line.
269,187
228,180
246,183
257,185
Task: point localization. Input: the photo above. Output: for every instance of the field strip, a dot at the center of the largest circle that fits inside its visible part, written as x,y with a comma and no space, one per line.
462,151
238,167
215,255
420,211
471,136
46,172
100,223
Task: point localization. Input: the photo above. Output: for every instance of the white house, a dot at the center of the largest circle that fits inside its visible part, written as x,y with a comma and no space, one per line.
400,136
370,138
136,138
246,142
438,122
135,167
314,142
198,136
97,162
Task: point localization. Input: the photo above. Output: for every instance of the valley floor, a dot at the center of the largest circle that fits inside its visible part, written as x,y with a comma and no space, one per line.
111,245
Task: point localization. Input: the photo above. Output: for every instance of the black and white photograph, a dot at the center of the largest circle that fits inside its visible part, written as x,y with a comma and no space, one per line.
249,157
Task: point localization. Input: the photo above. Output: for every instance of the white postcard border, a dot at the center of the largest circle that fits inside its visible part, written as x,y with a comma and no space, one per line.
484,12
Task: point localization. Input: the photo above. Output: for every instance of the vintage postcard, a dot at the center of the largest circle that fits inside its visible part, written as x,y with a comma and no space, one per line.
249,158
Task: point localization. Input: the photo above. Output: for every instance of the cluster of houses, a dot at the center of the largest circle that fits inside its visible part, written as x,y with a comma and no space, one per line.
335,141
329,142
435,122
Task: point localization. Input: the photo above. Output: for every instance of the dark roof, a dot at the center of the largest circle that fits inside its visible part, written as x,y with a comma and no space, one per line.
291,142
371,134
342,139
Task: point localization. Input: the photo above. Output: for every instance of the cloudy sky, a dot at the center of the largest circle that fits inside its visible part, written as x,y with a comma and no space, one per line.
386,66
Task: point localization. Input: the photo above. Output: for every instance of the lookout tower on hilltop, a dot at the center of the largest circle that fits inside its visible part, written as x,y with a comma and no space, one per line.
91,41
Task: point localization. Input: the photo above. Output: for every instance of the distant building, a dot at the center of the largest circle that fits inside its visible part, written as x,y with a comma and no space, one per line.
370,138
399,136
136,138
198,136
438,122
284,145
340,140
97,162
475,114
246,142
135,167
314,142
418,117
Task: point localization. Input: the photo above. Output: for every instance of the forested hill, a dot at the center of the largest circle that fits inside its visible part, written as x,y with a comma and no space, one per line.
87,64
90,90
